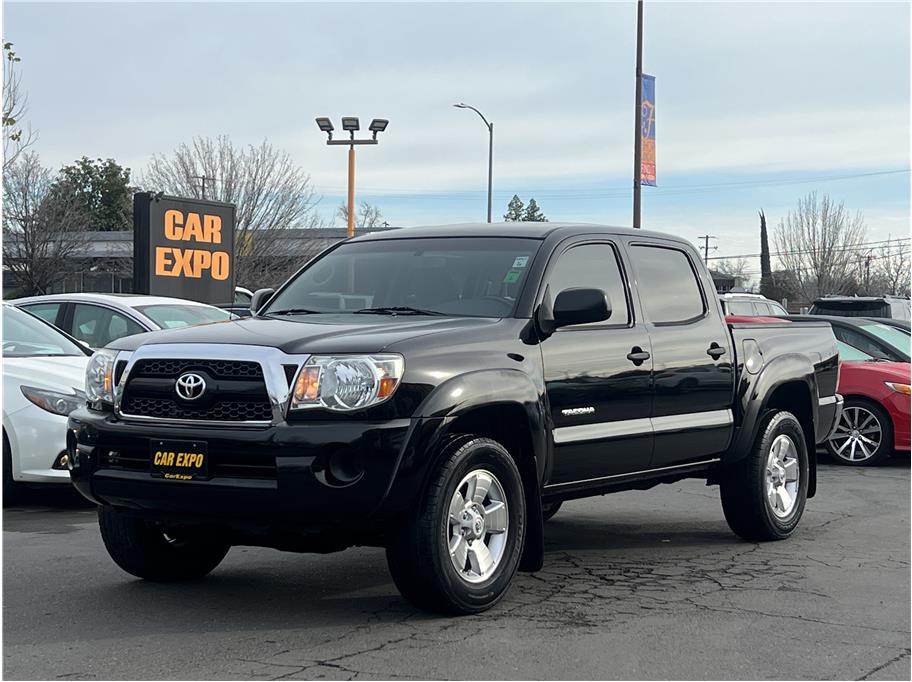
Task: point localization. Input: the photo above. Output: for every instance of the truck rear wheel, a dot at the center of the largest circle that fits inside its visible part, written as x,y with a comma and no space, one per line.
152,552
763,495
460,552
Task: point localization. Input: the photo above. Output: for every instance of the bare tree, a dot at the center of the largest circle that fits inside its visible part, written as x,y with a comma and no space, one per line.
891,268
16,138
367,216
738,268
43,230
817,242
271,192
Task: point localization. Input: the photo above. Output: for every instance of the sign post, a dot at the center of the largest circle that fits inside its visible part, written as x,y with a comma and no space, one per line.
183,248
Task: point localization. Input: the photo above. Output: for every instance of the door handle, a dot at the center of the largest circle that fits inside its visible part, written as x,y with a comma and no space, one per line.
637,356
715,351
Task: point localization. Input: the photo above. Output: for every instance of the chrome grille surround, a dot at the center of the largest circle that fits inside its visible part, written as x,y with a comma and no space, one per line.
271,360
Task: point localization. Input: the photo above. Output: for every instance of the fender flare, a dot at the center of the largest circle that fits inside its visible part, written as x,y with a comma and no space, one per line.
436,422
755,399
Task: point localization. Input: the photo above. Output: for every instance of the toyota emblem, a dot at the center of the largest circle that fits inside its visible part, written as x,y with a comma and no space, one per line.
190,386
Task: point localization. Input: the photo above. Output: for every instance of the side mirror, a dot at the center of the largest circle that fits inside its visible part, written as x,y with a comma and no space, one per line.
580,306
260,296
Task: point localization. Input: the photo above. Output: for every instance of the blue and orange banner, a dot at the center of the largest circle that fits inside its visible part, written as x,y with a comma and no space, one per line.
648,133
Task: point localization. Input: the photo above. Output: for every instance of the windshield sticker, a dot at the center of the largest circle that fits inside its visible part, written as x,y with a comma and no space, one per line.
520,261
512,276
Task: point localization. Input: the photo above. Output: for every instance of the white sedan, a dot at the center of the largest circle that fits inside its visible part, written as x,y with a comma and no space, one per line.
98,319
43,381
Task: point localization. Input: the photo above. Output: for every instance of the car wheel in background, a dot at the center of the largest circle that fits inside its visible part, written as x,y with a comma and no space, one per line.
863,436
150,551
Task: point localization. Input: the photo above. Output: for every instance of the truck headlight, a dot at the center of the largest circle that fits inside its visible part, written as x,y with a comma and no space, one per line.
54,401
346,382
100,377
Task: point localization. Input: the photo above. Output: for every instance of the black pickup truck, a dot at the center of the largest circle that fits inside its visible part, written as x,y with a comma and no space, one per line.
439,392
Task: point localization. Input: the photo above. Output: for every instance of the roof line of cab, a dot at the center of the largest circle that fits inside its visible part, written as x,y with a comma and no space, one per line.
534,230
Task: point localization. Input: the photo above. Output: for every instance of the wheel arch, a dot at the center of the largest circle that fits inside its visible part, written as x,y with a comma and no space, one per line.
503,405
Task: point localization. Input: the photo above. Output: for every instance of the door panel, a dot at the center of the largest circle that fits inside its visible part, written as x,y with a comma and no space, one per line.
599,399
692,355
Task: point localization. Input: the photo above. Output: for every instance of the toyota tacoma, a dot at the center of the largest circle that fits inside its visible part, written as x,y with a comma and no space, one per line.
439,392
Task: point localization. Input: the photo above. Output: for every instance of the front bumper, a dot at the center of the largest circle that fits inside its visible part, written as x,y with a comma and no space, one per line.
899,406
306,474
37,439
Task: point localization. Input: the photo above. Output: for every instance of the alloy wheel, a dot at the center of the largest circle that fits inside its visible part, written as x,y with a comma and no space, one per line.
476,530
782,476
858,435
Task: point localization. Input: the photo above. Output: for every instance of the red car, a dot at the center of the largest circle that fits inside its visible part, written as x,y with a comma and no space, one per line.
876,414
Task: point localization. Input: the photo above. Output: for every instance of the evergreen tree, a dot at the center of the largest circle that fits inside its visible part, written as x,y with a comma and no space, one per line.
514,210
766,273
533,213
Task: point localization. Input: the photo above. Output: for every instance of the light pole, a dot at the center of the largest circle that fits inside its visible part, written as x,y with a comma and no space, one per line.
638,119
490,127
352,125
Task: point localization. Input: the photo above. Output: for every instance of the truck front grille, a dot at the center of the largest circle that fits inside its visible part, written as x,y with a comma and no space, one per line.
235,391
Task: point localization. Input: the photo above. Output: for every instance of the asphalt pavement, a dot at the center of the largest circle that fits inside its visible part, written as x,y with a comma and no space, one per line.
636,585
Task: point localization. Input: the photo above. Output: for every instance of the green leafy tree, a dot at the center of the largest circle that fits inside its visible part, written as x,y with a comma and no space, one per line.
514,210
533,213
101,189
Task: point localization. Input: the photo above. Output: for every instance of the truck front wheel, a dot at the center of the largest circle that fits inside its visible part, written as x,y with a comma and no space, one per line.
460,551
763,494
152,552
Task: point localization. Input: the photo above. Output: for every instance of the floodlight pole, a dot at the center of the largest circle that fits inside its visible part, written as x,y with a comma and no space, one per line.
351,191
638,119
351,142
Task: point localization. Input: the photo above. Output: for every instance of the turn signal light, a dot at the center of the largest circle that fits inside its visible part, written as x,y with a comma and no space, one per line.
900,388
307,387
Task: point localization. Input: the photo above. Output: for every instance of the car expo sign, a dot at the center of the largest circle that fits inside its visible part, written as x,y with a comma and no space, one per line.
183,248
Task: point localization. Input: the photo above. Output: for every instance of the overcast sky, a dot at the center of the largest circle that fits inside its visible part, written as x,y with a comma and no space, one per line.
757,103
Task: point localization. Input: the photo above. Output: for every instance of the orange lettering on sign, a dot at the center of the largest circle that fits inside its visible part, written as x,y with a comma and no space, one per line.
175,262
206,228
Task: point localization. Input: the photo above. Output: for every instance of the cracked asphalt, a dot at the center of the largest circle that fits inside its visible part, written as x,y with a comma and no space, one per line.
636,585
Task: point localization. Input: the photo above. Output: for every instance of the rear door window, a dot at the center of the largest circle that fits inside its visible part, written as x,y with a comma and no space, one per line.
668,286
740,308
98,326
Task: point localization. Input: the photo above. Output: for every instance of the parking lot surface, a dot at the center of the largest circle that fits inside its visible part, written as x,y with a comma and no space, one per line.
635,585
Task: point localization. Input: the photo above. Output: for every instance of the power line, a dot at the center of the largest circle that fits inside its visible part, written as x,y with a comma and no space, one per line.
856,247
706,238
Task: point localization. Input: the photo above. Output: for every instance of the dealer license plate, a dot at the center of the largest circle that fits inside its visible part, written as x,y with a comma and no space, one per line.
178,460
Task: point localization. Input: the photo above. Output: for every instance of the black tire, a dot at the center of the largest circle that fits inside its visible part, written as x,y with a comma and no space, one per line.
549,509
857,409
744,486
12,491
146,550
419,557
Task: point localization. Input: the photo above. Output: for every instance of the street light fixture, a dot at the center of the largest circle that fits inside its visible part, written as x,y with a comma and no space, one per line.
351,124
490,127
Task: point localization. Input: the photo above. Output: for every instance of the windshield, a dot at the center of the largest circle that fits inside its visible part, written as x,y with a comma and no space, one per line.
174,315
891,335
478,277
847,352
26,336
851,308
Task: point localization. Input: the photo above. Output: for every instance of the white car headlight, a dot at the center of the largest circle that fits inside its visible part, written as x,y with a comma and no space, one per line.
100,377
54,402
346,382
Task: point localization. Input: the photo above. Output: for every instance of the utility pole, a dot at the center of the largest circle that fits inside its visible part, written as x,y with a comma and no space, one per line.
638,118
706,238
202,179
